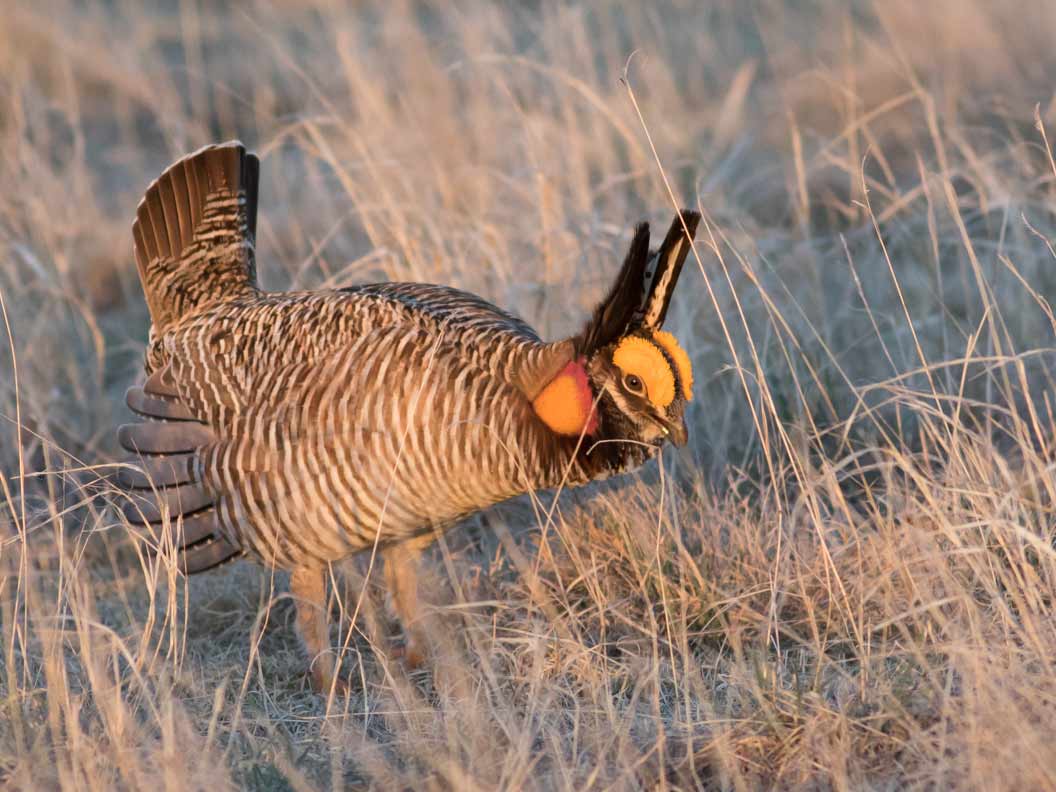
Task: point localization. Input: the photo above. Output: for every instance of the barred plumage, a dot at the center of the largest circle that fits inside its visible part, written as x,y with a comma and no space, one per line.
299,428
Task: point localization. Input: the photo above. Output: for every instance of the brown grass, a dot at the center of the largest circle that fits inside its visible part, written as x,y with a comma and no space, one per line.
846,582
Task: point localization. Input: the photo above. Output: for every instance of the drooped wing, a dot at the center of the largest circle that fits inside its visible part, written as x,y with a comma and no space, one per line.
454,306
496,340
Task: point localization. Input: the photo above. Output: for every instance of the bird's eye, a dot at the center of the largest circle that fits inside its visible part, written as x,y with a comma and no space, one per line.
633,383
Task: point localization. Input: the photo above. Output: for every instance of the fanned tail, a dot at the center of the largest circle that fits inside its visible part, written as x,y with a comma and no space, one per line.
195,232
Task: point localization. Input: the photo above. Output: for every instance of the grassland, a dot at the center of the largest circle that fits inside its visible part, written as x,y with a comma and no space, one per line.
845,582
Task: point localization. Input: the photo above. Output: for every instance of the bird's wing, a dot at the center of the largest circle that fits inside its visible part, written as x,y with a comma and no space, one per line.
386,434
489,337
450,305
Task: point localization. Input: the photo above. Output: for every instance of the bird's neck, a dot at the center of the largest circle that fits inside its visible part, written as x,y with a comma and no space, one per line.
566,404
581,443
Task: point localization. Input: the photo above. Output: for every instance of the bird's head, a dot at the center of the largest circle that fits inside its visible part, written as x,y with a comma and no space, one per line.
630,380
643,382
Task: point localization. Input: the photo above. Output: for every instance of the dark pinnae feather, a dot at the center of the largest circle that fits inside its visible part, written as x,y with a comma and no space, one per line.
613,314
643,289
665,266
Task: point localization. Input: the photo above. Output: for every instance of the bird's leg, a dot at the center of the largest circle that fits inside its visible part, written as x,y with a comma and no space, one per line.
401,578
308,587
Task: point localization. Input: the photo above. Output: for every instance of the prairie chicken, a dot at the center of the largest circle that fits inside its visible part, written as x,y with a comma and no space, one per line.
299,428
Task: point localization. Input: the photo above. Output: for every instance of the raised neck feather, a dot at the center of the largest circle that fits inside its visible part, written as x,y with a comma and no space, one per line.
566,404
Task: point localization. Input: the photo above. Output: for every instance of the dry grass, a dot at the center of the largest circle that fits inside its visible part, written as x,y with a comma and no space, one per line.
847,581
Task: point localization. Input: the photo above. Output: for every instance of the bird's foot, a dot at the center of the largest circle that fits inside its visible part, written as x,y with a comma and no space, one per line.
324,680
411,654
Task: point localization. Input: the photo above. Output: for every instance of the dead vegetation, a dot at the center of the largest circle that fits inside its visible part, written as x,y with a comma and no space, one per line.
847,580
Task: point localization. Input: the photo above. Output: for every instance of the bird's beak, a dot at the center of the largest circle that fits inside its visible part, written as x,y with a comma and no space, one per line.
676,432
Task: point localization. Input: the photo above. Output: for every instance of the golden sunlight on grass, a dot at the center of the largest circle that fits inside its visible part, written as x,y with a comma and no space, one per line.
846,580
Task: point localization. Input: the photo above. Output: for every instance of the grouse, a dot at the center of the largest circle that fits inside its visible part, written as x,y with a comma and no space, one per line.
299,428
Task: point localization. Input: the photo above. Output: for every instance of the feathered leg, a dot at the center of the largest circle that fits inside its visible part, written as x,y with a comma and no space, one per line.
308,587
401,578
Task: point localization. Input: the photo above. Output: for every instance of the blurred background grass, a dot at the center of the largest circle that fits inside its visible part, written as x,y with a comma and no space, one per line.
845,581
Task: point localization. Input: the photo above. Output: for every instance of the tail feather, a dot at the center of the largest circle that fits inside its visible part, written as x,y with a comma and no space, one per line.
162,437
143,402
182,499
161,383
251,178
162,479
157,471
198,528
207,554
195,231
194,236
